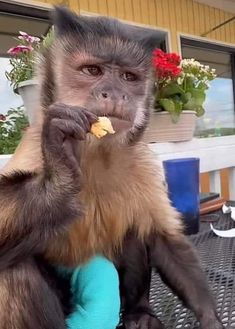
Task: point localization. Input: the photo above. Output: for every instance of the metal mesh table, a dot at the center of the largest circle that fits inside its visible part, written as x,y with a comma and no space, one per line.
217,256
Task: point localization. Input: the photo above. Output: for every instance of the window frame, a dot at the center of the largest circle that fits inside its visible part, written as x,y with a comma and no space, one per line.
187,41
25,10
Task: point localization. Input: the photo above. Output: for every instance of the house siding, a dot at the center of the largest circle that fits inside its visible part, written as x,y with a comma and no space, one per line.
177,16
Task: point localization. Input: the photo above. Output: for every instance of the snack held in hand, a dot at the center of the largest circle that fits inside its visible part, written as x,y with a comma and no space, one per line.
102,127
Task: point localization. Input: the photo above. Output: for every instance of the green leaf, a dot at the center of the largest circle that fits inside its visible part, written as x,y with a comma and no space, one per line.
174,107
170,90
178,109
167,104
11,131
202,86
199,95
200,111
197,99
185,97
188,83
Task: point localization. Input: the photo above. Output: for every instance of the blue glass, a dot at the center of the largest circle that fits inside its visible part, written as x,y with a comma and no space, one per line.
182,178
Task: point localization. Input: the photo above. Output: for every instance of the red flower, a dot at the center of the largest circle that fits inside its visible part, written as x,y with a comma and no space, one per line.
19,49
2,117
166,65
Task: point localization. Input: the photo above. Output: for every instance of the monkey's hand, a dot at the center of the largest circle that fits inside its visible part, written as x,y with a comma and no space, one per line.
142,321
63,127
211,321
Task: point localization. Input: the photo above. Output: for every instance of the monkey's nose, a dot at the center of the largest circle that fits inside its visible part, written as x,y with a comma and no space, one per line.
104,95
125,97
112,96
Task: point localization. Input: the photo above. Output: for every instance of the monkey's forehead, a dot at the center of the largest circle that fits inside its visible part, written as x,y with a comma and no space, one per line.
106,49
83,28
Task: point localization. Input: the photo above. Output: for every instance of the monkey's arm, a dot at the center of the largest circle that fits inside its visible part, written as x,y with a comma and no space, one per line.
32,209
35,206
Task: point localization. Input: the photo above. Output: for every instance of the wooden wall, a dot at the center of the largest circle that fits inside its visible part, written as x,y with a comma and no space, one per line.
185,16
205,183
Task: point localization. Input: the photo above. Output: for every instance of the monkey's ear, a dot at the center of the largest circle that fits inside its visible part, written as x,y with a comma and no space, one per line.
64,20
149,40
146,37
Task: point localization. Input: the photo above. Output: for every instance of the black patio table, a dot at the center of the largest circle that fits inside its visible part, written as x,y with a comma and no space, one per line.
217,256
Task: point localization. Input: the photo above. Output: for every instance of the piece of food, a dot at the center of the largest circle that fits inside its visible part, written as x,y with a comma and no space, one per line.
102,127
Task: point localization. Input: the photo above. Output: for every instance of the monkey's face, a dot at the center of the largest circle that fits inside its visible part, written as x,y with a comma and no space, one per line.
104,87
103,66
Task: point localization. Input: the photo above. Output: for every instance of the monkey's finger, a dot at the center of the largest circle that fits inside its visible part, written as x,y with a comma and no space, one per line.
62,111
88,117
91,117
82,119
78,114
71,160
81,115
69,128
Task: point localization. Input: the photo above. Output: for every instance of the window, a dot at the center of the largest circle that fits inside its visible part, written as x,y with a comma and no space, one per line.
15,18
219,118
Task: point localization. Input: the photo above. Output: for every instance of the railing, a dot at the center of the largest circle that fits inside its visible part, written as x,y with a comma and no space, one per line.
215,154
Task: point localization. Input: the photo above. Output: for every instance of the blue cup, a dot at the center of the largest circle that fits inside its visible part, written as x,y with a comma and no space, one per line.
182,178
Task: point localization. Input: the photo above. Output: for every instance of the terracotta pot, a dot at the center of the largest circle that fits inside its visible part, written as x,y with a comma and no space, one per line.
29,92
161,128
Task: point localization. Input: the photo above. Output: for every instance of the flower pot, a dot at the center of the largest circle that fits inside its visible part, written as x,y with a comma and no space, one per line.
30,95
161,128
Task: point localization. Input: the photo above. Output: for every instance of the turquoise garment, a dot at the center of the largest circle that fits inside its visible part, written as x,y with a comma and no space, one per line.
95,288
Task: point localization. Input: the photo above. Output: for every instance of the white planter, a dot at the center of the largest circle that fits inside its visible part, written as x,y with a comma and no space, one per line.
28,90
161,128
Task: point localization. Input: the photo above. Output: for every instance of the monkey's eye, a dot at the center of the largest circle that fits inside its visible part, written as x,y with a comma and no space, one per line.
129,76
92,70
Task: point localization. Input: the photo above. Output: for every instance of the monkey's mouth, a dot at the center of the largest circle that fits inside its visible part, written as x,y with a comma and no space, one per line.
120,123
115,113
120,119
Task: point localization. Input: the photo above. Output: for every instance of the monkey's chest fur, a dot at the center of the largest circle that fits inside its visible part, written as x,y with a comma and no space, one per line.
122,190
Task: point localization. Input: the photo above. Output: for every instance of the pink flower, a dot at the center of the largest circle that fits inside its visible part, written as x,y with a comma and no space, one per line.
28,38
24,34
19,49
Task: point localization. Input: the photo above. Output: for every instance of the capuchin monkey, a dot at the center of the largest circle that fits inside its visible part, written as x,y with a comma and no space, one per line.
66,196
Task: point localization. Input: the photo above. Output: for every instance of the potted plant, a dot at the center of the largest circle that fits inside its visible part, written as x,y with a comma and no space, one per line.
23,59
181,86
12,126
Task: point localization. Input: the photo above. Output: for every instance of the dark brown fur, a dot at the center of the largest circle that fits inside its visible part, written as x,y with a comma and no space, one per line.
82,196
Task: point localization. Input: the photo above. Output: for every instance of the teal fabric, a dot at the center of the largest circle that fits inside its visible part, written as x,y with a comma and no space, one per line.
95,288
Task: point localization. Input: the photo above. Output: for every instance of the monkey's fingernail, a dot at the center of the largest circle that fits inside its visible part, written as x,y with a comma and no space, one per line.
91,115
82,135
94,118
